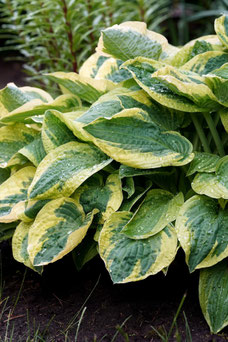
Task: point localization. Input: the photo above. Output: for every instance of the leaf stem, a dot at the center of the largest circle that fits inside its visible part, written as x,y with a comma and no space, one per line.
214,133
200,132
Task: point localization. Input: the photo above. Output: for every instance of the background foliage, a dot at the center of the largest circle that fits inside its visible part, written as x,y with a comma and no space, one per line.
56,35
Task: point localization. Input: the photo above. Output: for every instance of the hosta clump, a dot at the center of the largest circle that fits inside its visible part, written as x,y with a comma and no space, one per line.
129,162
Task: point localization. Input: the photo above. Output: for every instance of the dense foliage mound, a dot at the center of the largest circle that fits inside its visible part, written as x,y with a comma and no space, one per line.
129,162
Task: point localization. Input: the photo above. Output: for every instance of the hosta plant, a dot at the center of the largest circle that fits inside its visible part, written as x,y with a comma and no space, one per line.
130,162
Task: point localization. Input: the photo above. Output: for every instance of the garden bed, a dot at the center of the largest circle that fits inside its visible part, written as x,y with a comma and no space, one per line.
48,303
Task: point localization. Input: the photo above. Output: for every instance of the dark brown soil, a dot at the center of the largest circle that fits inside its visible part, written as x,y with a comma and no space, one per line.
61,291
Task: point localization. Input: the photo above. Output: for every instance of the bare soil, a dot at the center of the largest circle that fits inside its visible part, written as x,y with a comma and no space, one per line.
49,302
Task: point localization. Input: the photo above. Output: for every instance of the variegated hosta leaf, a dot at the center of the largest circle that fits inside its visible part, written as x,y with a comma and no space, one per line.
70,121
54,132
58,228
34,107
13,193
171,87
110,70
158,209
65,168
213,295
7,230
92,65
109,104
12,139
206,62
202,231
34,152
132,260
218,82
31,209
221,29
132,139
107,198
88,89
203,162
168,52
20,245
129,40
12,97
213,185
164,117
193,48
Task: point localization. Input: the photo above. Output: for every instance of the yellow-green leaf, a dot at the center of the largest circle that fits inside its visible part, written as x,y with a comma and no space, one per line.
65,168
206,62
172,87
12,97
20,245
55,132
58,228
193,48
132,260
107,198
131,39
131,138
213,294
88,89
158,209
202,231
13,193
215,184
221,29
12,139
63,103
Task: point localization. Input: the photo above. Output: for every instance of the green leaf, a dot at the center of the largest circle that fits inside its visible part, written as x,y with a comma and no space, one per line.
36,107
20,245
158,209
172,87
88,89
13,193
202,231
54,132
221,29
85,251
4,175
132,260
7,230
65,168
58,228
12,139
214,185
203,162
140,191
131,39
130,137
213,294
129,186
